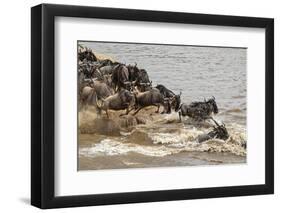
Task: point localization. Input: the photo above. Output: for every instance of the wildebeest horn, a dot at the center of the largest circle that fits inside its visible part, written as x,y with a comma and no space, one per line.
213,97
135,64
180,93
215,121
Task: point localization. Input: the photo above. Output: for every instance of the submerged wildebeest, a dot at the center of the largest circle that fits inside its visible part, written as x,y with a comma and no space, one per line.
198,110
121,100
219,132
149,98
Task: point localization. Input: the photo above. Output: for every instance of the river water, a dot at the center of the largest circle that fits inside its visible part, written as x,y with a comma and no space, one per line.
198,72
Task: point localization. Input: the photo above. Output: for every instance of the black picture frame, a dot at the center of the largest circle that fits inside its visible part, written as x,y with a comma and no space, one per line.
43,102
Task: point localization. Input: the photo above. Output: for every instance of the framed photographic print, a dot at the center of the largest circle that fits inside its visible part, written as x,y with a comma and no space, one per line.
139,106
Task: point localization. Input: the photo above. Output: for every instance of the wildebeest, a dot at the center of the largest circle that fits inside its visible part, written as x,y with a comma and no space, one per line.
108,80
133,72
219,132
165,91
142,81
173,98
121,100
96,89
120,77
108,69
139,78
86,54
176,102
199,110
149,98
106,62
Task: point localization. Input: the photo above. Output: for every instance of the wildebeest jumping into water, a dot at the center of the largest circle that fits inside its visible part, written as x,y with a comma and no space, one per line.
169,94
198,110
95,89
165,91
121,100
150,98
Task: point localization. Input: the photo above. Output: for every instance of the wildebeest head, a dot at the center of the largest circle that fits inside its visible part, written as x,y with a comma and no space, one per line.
212,103
141,79
127,97
143,76
220,131
133,72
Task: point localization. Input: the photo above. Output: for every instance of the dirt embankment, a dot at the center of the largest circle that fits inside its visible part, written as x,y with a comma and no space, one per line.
90,122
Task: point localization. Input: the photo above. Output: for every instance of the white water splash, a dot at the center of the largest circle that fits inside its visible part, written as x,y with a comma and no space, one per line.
111,147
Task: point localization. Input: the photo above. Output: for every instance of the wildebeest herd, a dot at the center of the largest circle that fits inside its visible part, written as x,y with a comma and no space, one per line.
110,85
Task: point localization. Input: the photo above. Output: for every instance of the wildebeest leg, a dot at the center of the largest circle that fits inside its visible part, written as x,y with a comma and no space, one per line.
169,108
107,113
137,110
158,107
166,109
127,112
180,115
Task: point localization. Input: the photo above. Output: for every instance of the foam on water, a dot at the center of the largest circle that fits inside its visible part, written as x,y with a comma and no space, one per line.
168,143
111,147
165,135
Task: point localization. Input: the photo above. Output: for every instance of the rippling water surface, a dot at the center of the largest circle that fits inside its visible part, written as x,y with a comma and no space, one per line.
199,72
